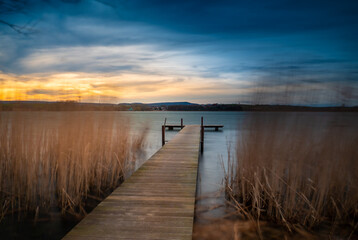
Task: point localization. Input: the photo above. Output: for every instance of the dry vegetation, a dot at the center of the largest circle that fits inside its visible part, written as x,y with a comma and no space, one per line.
297,170
225,229
61,159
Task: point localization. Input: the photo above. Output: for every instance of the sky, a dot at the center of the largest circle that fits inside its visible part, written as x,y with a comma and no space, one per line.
276,52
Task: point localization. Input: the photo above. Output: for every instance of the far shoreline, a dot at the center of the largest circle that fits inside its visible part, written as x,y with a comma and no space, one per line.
170,106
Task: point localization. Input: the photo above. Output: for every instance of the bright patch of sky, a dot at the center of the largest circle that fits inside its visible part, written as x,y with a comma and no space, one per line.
200,51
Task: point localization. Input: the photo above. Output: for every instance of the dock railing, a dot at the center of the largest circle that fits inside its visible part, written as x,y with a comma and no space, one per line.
181,126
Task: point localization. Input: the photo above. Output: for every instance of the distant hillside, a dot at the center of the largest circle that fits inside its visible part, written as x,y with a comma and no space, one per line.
171,104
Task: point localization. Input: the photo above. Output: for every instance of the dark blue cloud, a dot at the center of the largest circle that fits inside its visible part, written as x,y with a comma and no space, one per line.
308,41
238,17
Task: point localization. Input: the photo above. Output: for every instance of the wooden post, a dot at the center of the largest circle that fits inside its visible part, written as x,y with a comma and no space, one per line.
163,135
163,131
181,123
202,135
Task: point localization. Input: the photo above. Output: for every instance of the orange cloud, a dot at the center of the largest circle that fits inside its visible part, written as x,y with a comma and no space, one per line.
111,87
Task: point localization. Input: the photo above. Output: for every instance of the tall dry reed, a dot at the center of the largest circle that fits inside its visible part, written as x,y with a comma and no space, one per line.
296,169
59,159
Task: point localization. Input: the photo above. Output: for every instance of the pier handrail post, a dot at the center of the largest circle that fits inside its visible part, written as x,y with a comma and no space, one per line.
202,135
181,123
163,135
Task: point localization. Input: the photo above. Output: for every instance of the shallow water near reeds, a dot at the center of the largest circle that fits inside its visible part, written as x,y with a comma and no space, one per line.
210,204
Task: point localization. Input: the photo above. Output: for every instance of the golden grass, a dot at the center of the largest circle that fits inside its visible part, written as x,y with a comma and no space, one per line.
296,170
58,159
225,229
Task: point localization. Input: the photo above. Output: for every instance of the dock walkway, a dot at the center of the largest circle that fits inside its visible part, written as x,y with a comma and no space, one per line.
156,202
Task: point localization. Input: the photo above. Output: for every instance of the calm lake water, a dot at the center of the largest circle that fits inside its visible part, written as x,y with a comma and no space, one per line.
210,198
212,161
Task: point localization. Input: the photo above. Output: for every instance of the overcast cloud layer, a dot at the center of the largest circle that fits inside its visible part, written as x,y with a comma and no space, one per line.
201,51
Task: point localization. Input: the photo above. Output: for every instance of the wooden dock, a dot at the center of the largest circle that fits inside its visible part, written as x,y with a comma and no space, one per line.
156,202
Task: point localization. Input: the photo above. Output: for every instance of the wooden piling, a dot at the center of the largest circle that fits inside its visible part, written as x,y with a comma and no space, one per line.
202,135
163,135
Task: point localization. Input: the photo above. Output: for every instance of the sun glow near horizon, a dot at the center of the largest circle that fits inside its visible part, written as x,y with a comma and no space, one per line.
108,87
117,87
113,74
95,52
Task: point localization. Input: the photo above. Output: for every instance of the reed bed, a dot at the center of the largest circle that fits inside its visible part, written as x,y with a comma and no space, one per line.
297,170
61,159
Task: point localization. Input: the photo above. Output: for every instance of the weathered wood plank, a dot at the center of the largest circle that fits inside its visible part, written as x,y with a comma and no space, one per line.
173,126
156,202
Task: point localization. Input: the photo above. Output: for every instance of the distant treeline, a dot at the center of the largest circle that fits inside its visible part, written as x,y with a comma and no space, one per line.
206,107
291,108
245,107
76,106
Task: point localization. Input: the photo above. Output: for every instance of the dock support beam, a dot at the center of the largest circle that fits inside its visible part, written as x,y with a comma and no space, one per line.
202,135
163,135
181,123
163,132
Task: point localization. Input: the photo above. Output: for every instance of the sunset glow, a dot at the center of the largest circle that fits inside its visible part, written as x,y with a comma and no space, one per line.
114,51
95,87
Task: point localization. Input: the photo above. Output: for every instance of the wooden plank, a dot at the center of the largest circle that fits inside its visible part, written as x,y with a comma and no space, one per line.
177,125
173,126
156,202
